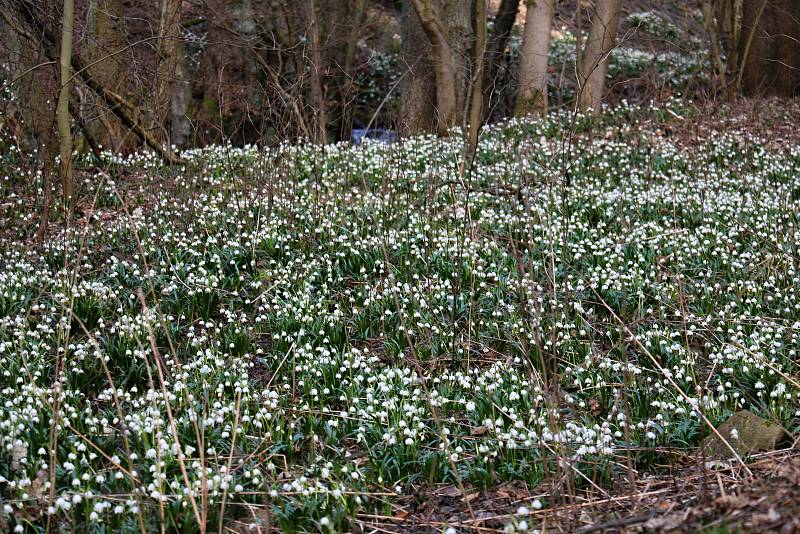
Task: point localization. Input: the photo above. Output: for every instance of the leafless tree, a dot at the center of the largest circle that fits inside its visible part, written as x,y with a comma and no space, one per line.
62,110
532,95
437,38
593,61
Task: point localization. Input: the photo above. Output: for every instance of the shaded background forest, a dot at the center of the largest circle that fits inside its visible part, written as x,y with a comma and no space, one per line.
187,73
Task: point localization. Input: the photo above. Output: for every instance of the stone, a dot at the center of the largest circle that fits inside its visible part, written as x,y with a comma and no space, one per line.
747,433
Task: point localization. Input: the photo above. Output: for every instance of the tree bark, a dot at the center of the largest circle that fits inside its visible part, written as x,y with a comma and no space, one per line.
728,18
418,85
62,109
37,31
593,64
180,126
108,38
707,8
476,97
447,36
532,97
770,55
445,71
578,31
496,54
318,99
38,88
171,84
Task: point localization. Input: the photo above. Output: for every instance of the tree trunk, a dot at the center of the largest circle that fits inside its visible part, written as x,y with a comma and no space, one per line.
725,11
447,108
38,89
62,109
770,55
593,64
180,127
445,29
707,8
728,17
318,100
532,97
107,52
172,85
578,31
38,31
418,85
496,54
476,97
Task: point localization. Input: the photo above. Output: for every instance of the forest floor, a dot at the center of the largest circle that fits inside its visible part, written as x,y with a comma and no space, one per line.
372,339
690,493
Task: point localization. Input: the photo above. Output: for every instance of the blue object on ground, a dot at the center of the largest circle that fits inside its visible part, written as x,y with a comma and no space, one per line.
380,135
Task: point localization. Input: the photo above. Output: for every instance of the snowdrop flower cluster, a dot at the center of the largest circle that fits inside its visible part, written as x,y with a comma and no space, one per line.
323,324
